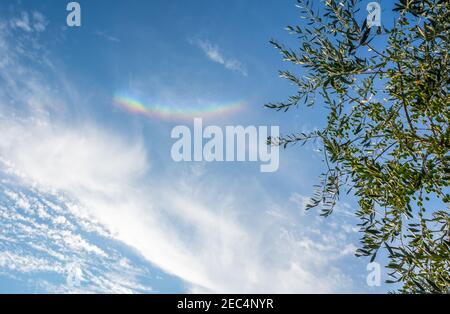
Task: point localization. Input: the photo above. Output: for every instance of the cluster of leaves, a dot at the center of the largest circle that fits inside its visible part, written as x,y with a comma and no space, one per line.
387,138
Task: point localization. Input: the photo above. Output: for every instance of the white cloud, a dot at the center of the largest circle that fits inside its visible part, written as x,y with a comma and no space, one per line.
300,201
181,224
33,245
107,36
65,158
214,54
40,22
185,234
22,22
37,22
26,264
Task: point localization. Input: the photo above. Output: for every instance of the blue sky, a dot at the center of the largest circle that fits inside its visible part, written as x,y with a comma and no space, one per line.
90,190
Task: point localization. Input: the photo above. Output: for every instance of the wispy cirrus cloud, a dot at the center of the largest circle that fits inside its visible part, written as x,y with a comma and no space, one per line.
41,236
172,224
107,36
35,21
174,221
214,54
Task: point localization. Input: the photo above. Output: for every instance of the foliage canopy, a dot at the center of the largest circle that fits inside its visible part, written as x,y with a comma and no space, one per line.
386,138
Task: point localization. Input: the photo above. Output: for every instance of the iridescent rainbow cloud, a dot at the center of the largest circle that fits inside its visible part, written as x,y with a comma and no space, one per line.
135,106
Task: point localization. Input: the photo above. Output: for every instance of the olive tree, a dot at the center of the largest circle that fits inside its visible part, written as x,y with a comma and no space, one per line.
386,139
